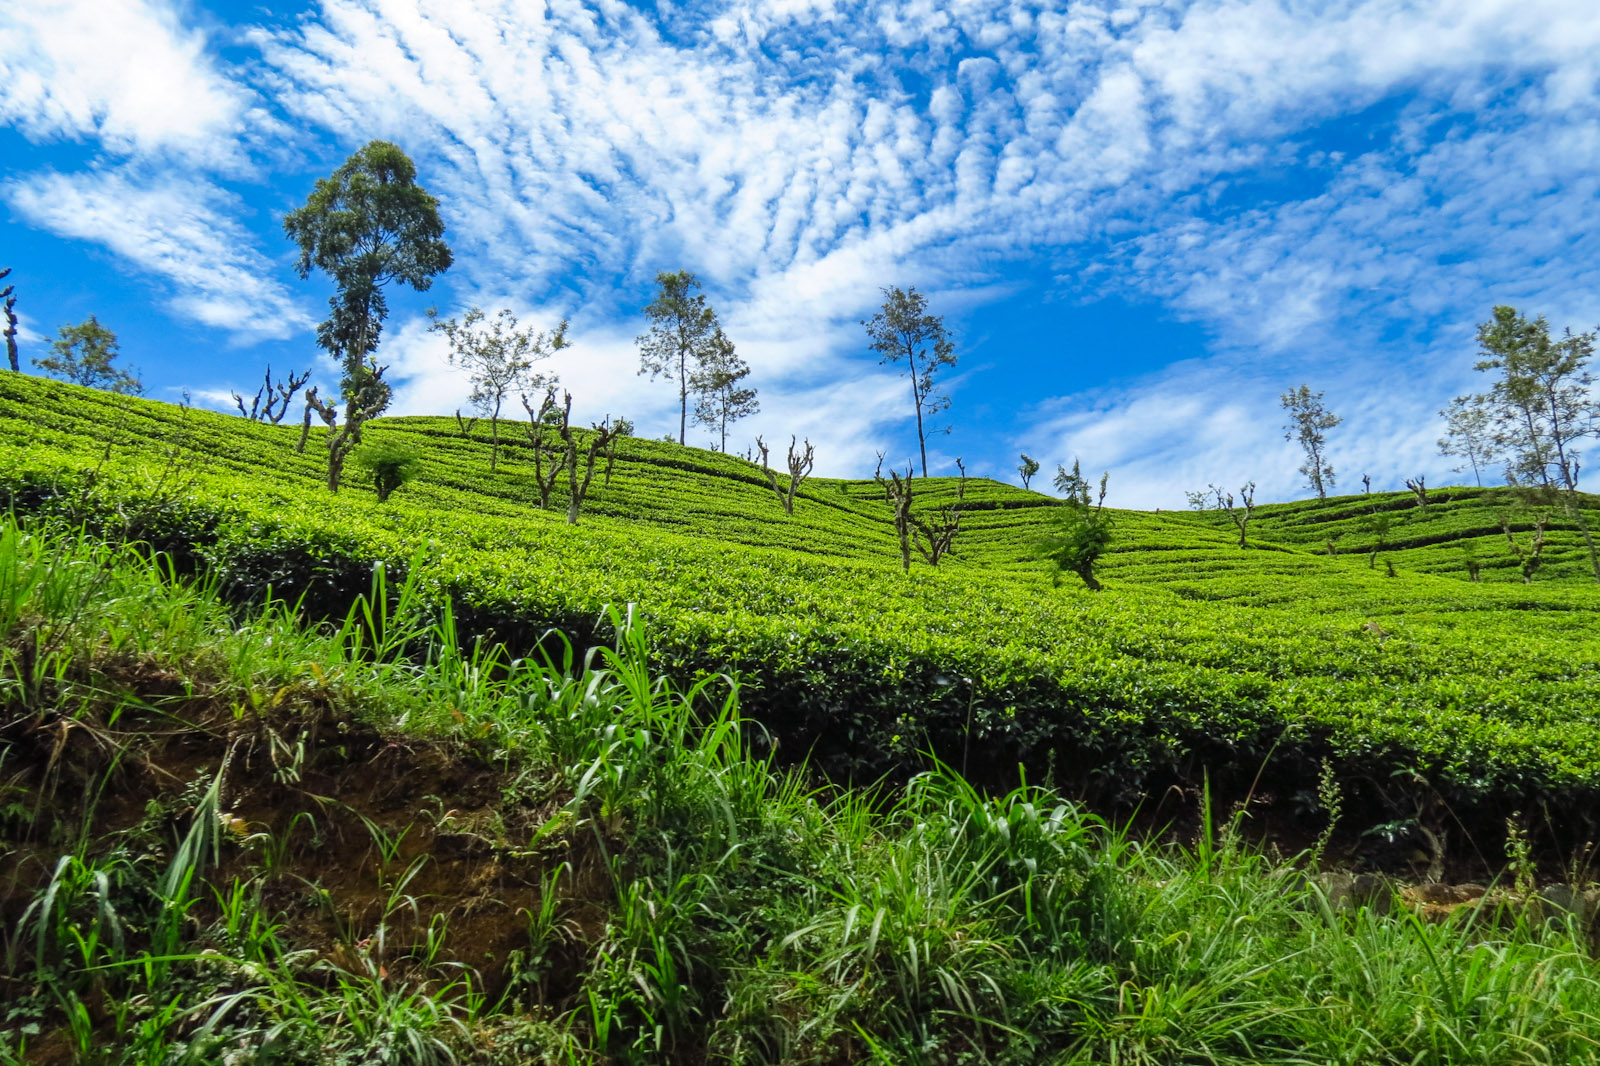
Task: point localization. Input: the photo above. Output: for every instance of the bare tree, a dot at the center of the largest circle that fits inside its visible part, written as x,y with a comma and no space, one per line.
1307,420
277,396
314,405
365,394
541,421
1240,512
1529,558
499,358
935,538
1419,489
578,491
800,464
897,491
621,428
9,297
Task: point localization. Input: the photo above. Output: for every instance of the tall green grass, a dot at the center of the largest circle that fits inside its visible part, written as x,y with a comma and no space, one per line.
695,903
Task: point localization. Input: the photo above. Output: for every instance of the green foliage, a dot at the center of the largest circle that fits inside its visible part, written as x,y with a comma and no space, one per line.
499,358
1539,403
684,340
390,464
366,224
717,382
83,355
1028,467
693,902
904,329
1206,656
1308,419
1082,531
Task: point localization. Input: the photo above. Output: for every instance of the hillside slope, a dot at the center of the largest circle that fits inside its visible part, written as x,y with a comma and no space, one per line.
1249,668
1456,530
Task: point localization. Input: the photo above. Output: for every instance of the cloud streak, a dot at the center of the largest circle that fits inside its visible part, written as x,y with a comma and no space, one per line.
189,236
1333,192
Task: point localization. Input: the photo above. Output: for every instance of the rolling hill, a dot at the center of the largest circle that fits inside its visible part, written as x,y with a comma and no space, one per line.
1199,662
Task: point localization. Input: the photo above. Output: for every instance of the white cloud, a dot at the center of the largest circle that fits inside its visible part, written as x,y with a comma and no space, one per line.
1217,421
184,234
798,154
126,73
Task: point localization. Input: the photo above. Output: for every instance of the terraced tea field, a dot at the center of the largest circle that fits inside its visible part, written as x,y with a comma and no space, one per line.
1200,661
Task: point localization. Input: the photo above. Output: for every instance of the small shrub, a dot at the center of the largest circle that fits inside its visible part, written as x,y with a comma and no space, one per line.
390,465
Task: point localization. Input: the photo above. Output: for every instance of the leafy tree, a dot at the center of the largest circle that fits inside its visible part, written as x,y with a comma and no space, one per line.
1308,418
683,336
9,297
83,354
1541,406
1540,403
1082,530
365,225
1027,468
1468,434
499,358
716,381
903,329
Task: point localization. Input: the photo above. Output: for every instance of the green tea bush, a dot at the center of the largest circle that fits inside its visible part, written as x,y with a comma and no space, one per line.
1198,659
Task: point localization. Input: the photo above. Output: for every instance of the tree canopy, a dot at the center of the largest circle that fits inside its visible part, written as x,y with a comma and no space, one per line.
83,354
904,330
1308,418
682,337
365,225
717,383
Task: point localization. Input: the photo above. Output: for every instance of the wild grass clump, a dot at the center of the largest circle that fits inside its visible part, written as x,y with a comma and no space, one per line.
242,838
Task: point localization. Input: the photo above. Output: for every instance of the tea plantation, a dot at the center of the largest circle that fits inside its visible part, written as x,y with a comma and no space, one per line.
1431,697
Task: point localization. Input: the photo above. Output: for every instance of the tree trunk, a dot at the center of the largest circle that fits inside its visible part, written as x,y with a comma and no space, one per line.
916,400
494,437
1583,528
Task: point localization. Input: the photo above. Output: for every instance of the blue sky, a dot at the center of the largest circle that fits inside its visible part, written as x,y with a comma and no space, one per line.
1143,221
